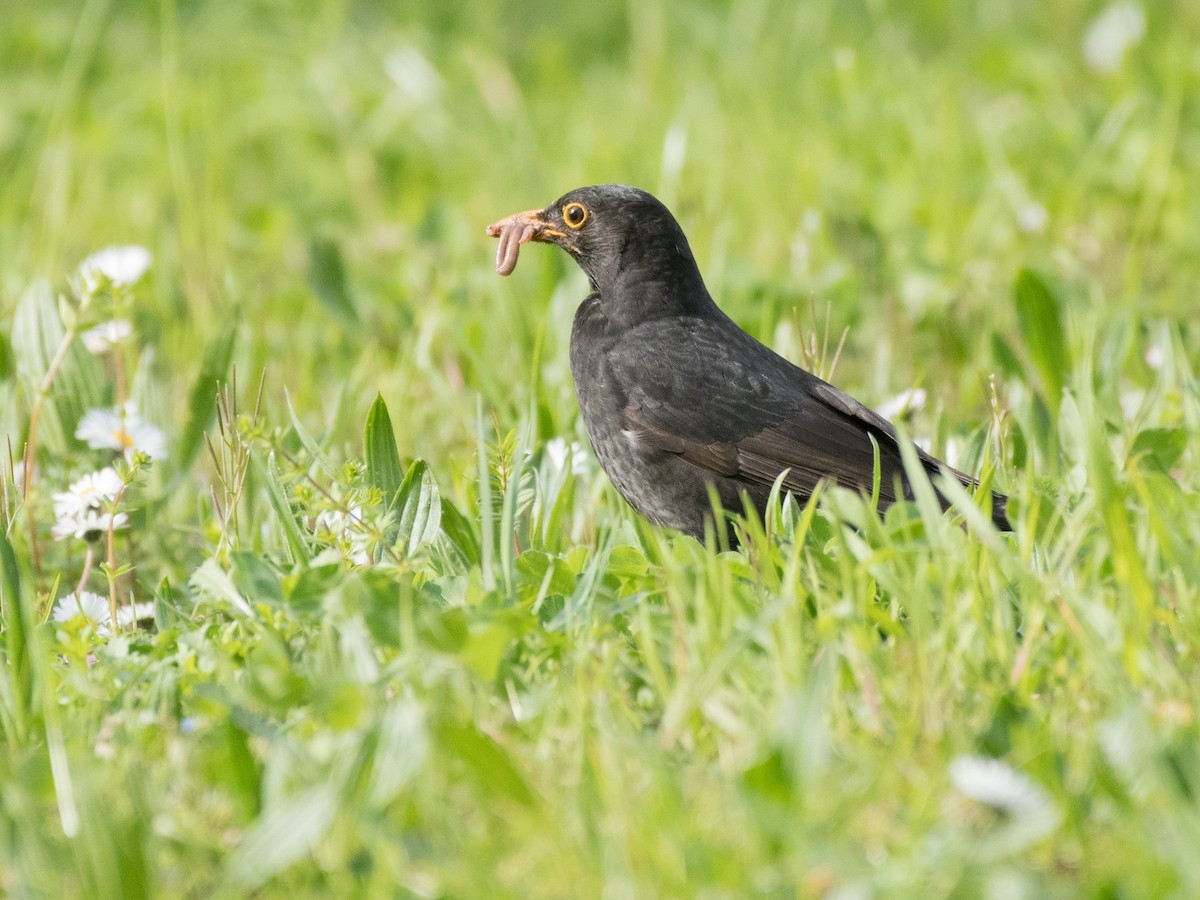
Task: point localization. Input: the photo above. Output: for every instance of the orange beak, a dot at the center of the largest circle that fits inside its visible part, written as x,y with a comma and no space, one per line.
519,228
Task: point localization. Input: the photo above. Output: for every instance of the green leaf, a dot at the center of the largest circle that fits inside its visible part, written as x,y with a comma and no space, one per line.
1004,358
418,505
254,578
214,582
327,278
17,625
315,450
7,364
444,630
202,401
79,383
1040,321
487,761
458,530
306,590
383,458
36,331
1160,447
293,531
284,833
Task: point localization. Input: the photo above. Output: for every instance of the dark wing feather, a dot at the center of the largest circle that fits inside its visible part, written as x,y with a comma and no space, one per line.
744,412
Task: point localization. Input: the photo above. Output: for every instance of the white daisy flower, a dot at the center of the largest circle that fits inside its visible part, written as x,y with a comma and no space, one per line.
124,430
1110,35
907,401
417,79
1032,217
106,335
120,265
997,784
1155,356
87,605
558,451
131,615
90,492
88,525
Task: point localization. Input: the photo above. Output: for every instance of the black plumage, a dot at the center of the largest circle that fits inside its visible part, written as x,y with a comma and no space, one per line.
674,395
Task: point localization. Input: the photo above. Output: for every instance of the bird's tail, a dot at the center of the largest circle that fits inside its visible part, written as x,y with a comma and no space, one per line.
1000,512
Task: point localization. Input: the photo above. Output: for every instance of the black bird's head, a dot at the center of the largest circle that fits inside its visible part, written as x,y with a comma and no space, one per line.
626,241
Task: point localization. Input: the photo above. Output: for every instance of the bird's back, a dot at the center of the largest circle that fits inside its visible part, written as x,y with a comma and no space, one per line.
674,404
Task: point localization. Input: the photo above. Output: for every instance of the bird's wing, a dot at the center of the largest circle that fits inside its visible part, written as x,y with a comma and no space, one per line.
729,405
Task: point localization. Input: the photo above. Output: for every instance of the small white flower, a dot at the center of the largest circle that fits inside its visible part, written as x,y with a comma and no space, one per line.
124,430
131,615
414,75
558,451
1032,217
346,529
120,265
997,784
1155,356
86,605
106,335
90,492
907,401
1110,35
89,525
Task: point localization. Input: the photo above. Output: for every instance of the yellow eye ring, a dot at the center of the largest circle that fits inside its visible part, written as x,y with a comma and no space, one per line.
575,215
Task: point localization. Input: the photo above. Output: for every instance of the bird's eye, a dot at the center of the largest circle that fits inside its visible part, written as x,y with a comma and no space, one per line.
575,214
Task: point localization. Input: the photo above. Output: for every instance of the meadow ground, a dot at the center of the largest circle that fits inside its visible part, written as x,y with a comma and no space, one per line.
418,645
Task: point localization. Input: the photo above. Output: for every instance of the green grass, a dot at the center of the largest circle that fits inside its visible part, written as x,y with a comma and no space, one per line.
520,689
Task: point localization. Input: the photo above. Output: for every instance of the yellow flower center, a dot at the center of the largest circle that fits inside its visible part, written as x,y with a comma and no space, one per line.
121,436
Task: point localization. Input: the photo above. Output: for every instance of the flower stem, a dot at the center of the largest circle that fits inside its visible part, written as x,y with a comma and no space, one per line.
112,562
87,569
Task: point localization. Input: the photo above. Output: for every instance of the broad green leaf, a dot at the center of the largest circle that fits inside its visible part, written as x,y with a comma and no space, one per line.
1004,358
254,578
283,834
36,332
418,508
1161,447
17,625
327,278
401,751
460,532
1040,321
490,763
7,363
79,383
307,589
214,582
202,401
444,630
383,457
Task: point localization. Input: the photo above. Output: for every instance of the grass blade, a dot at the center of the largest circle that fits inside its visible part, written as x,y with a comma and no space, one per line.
293,531
202,400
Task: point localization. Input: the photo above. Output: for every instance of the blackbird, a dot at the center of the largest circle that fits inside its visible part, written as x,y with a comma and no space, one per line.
675,396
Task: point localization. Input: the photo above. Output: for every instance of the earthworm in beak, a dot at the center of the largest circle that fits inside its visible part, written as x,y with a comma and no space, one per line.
517,229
